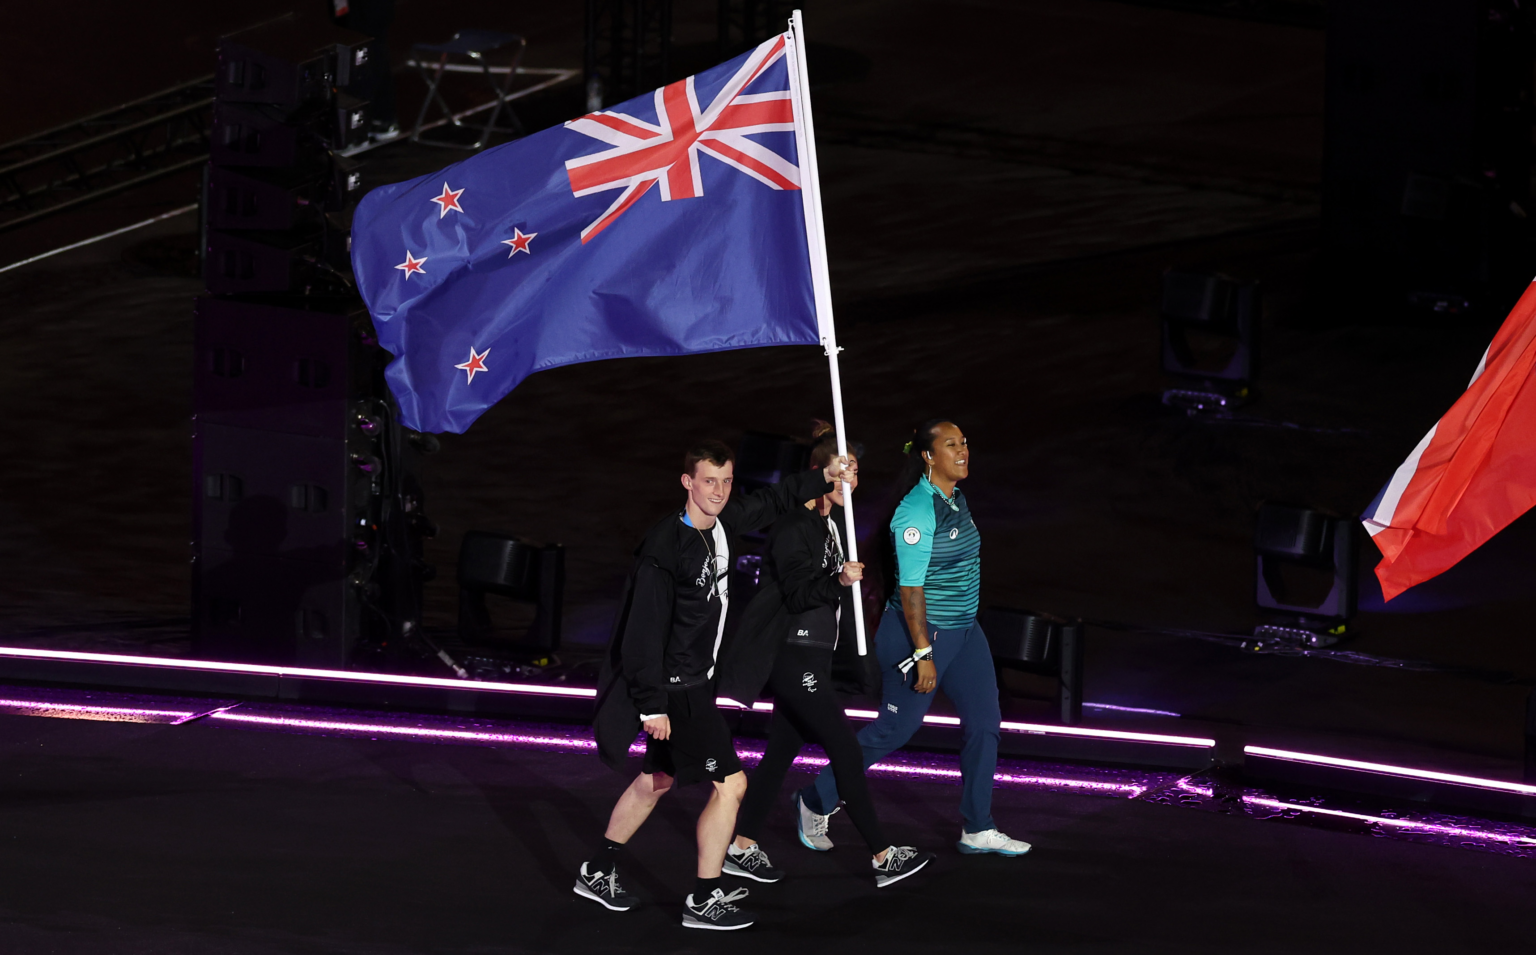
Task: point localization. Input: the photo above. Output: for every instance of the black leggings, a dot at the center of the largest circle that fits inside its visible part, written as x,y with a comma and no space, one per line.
806,709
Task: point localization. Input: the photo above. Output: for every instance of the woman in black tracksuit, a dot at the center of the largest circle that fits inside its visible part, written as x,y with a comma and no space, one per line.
788,634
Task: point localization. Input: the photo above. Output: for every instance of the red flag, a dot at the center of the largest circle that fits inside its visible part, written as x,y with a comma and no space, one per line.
1473,474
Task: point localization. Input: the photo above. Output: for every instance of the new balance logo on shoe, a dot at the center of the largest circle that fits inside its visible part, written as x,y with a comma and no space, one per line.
718,911
604,889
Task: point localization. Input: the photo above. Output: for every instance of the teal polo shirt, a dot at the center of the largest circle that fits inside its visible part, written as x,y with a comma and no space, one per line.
938,548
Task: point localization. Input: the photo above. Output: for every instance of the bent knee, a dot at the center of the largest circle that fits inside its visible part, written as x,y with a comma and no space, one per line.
654,785
733,786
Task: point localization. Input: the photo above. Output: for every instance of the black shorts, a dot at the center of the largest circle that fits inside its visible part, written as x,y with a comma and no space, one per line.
699,747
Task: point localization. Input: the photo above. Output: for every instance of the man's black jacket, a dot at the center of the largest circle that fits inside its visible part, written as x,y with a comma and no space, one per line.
634,676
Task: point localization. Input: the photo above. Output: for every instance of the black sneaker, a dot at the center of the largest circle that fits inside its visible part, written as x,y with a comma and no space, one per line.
900,862
750,863
604,889
717,912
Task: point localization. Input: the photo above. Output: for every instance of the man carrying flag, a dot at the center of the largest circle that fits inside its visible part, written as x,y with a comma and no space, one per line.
1472,474
659,673
682,222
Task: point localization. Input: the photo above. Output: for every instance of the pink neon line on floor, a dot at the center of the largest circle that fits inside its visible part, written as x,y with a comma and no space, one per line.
1385,769
82,708
1394,823
534,689
1034,729
258,669
586,745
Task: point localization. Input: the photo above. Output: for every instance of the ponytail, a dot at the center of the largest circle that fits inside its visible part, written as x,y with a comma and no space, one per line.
922,439
824,444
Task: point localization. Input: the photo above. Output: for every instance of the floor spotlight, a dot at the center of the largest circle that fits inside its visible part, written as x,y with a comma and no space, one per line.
521,570
1044,644
1210,328
1305,574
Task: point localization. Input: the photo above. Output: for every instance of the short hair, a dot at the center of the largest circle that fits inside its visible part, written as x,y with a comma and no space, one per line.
717,453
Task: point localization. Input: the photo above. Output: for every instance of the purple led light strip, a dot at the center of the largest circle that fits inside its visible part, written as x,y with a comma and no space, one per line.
536,689
1130,709
1045,729
1035,729
347,676
1393,823
1131,790
1387,770
81,708
419,732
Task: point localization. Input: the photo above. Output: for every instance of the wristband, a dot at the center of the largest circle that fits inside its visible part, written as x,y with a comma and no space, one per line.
926,653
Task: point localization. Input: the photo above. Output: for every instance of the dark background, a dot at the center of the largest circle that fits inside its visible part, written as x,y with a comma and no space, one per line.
1004,184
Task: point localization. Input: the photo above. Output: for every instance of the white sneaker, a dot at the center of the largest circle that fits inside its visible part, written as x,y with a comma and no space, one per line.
990,840
811,826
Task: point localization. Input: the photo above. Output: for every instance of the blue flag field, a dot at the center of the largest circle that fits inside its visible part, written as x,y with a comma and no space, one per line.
671,224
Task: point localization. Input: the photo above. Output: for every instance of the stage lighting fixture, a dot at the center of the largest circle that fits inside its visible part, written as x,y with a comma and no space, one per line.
1040,643
492,563
367,463
425,443
1303,553
1210,337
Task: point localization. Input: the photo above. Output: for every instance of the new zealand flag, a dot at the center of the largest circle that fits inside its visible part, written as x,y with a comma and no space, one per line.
669,225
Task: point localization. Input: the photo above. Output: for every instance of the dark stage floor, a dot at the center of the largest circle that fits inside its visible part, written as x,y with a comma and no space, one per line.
208,837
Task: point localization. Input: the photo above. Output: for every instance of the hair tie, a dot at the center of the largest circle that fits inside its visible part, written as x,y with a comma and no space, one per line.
906,448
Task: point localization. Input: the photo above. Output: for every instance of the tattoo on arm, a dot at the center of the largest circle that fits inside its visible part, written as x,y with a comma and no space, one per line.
915,608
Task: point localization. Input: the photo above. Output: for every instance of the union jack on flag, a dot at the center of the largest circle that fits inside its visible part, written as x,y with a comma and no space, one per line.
611,267
666,152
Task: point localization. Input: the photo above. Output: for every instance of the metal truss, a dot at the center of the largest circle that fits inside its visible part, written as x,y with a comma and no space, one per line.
106,153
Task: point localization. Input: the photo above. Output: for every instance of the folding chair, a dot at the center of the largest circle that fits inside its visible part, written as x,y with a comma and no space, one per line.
470,51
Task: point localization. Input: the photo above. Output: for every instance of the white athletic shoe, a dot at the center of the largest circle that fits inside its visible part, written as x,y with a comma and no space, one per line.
811,826
990,840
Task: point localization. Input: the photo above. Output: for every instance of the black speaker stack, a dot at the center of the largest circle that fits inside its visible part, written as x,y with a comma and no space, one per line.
307,521
1427,168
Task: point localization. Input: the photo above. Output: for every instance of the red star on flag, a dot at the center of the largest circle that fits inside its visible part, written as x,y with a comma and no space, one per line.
476,363
448,200
519,242
411,265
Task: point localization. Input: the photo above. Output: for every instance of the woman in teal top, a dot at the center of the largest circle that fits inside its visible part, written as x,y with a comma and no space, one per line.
928,639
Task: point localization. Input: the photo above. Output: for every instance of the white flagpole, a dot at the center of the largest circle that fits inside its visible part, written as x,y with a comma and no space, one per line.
821,283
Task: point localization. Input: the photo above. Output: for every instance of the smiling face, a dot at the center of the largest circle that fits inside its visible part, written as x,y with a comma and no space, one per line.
709,487
950,459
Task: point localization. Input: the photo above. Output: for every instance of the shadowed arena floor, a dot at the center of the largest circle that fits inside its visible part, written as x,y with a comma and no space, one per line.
201,838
